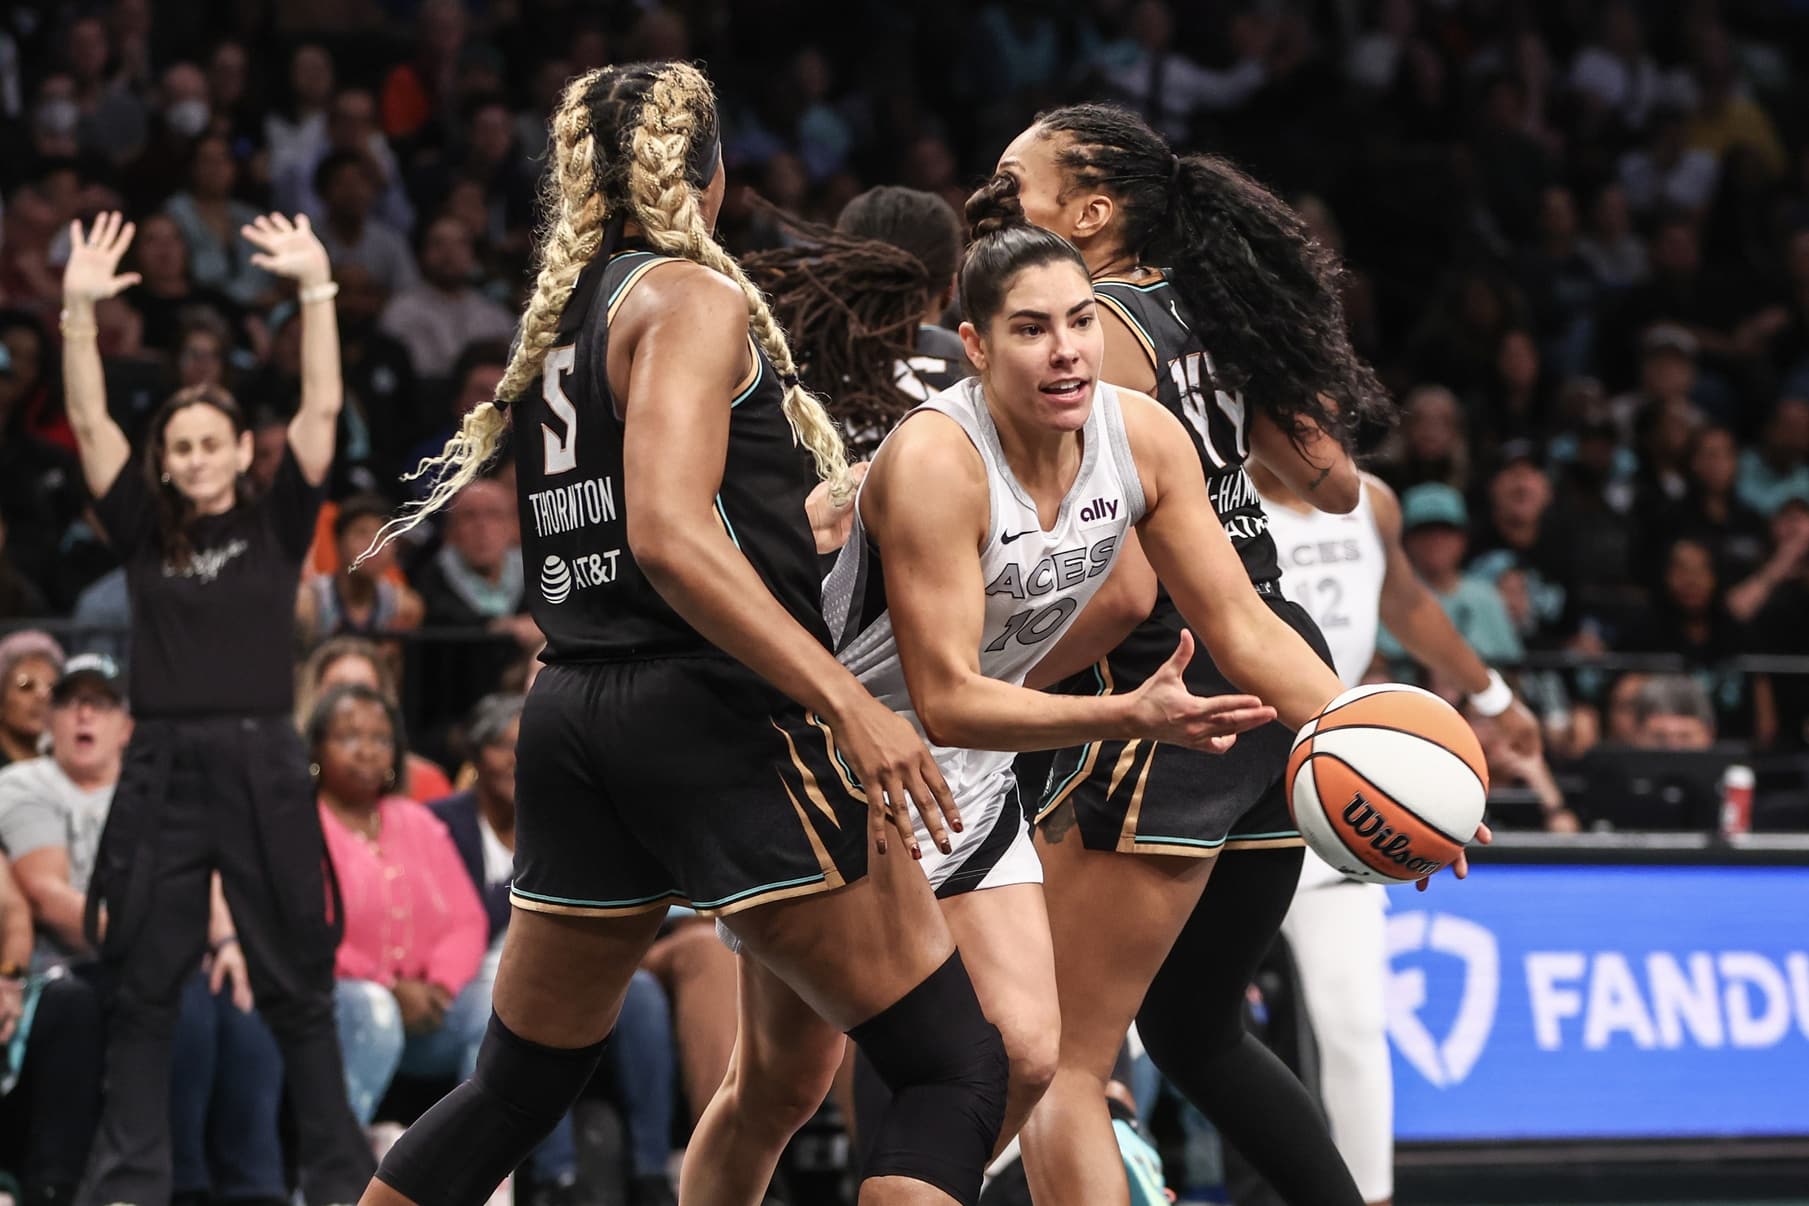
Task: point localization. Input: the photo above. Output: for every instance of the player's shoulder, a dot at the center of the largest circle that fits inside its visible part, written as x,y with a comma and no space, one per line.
1146,421
931,447
1384,504
675,281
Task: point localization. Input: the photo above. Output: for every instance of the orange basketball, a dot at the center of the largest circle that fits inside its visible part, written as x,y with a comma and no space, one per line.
1388,783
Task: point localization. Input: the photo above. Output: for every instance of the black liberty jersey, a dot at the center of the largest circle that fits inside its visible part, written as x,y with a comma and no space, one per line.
937,361
1219,422
585,591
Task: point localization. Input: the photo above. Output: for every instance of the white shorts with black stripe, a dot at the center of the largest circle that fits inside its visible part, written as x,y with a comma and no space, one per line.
993,848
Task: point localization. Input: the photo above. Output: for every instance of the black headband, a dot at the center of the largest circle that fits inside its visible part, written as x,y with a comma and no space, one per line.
706,153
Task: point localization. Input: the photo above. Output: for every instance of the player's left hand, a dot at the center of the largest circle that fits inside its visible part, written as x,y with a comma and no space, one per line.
1460,866
829,523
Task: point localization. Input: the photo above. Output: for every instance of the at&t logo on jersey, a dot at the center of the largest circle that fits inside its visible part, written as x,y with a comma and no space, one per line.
559,577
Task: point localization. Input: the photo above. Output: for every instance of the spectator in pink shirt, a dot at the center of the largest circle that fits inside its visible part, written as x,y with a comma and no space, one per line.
414,929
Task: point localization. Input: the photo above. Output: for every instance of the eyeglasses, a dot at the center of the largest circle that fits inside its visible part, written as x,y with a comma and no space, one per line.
27,682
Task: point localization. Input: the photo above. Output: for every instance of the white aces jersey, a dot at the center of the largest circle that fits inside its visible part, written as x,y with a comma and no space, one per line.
1333,565
1036,581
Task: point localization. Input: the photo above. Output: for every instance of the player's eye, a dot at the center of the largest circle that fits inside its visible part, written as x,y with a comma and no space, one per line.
1030,330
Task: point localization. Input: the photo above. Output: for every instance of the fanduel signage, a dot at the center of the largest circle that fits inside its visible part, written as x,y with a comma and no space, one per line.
1574,1002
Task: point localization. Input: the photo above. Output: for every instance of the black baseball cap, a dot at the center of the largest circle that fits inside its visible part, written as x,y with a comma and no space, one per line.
89,669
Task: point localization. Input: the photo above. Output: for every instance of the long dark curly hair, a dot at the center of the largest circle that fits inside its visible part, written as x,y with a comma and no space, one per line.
1260,292
851,302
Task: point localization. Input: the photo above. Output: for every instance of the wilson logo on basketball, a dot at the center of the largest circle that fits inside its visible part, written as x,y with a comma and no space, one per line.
1366,823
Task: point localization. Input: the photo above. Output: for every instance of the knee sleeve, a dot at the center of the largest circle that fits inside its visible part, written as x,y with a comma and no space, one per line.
946,1067
459,1151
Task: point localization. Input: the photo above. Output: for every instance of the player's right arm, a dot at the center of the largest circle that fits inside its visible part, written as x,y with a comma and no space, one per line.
681,338
1193,557
1417,621
925,505
92,275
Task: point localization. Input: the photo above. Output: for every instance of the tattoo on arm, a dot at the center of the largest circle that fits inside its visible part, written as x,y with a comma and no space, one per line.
1323,474
1057,824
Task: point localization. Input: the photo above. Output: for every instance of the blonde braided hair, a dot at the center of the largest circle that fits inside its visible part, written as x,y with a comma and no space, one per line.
664,203
579,196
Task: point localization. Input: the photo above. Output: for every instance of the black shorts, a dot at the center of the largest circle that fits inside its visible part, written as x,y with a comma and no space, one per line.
1141,797
684,780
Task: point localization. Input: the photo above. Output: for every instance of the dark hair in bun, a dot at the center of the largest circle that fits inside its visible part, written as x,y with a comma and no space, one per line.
1004,244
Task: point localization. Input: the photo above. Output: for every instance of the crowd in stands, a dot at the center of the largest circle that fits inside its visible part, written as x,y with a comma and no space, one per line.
1578,249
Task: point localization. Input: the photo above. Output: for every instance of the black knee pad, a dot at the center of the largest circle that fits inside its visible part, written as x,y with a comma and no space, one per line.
947,1069
459,1151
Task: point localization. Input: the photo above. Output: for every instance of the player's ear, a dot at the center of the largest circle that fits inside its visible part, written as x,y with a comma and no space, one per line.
1094,218
976,348
245,453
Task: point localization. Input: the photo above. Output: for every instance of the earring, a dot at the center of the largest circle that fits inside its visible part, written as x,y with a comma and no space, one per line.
165,479
314,770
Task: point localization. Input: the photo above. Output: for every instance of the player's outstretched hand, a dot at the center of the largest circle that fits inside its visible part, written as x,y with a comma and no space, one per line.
897,772
1163,709
1460,866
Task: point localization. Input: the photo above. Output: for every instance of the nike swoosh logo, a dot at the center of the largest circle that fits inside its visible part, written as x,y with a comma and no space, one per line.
1008,537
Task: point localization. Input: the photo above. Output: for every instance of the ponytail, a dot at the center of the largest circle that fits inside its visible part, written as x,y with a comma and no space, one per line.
1262,294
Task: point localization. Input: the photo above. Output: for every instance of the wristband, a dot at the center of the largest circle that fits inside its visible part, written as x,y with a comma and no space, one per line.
1493,699
76,330
326,291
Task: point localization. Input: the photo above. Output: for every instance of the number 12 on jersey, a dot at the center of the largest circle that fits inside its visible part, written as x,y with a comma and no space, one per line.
1193,374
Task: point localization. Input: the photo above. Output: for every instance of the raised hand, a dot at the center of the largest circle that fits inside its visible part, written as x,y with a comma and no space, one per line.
1163,709
288,248
92,272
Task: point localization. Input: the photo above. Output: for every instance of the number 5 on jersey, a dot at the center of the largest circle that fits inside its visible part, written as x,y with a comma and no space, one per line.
561,452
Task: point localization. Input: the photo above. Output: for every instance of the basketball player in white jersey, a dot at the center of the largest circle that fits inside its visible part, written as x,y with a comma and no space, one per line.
987,520
1350,572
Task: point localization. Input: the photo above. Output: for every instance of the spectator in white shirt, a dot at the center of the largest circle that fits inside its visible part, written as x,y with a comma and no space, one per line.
351,126
436,319
1672,173
298,130
1617,75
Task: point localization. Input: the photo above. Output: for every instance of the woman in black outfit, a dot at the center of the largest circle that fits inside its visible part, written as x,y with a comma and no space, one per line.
215,776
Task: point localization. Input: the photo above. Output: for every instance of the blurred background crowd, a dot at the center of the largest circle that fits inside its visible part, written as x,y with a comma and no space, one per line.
1577,236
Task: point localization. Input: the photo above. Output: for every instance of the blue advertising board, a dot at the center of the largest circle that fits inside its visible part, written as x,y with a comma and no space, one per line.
1592,1001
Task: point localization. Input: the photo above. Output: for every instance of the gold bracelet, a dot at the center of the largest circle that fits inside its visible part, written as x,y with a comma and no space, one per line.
325,291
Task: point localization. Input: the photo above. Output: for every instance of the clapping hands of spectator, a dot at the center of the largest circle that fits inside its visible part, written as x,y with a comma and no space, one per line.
288,248
423,1005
